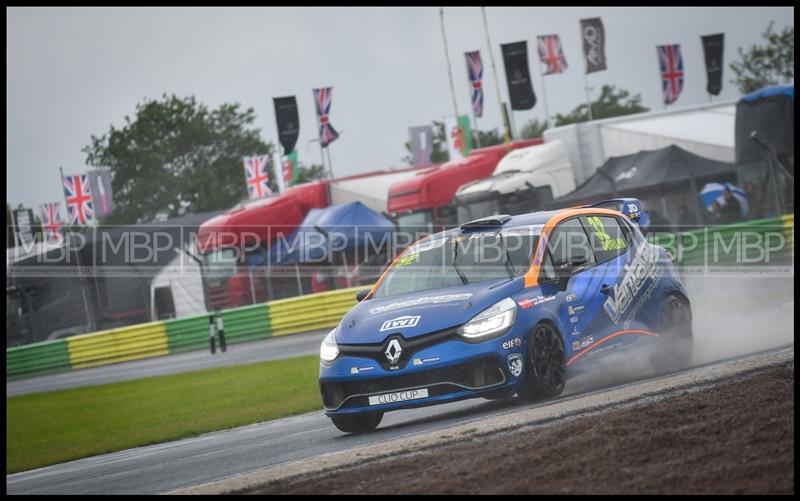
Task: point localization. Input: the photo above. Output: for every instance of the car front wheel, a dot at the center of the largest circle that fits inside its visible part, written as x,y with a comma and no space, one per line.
545,374
674,350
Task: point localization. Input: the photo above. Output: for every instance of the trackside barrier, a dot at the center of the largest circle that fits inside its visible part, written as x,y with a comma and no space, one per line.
311,312
118,345
37,358
764,241
702,247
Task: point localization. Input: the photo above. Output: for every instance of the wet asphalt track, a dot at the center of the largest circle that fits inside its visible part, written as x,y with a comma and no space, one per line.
165,467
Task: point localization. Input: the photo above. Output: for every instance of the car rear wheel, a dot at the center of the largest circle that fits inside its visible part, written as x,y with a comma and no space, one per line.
675,328
546,371
358,423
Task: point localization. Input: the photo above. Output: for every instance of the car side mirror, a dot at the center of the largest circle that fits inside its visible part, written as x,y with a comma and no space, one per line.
570,267
360,295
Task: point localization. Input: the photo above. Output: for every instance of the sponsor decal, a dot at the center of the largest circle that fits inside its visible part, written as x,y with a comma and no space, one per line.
575,309
643,266
400,396
575,331
512,343
400,322
515,364
573,320
357,370
576,345
421,361
571,297
447,298
582,343
393,351
534,301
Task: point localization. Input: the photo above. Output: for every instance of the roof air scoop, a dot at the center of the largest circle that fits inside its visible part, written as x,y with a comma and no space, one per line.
487,222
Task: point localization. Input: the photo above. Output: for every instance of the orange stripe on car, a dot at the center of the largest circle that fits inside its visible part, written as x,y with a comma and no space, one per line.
532,275
611,336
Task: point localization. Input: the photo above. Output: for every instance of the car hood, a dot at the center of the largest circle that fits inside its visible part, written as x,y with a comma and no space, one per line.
420,313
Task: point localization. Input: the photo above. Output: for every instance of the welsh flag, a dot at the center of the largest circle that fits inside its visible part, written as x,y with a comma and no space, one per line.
291,172
459,136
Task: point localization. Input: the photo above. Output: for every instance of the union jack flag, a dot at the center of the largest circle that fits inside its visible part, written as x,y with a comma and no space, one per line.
322,98
671,63
551,54
475,70
52,223
256,170
79,199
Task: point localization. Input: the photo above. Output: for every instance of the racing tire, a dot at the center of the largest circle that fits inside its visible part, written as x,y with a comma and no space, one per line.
546,368
358,423
674,350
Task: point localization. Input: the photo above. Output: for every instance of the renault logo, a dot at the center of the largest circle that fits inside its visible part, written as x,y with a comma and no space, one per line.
393,351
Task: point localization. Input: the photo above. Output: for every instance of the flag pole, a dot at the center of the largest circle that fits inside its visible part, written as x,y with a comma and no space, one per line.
544,96
475,125
586,85
447,58
330,163
506,125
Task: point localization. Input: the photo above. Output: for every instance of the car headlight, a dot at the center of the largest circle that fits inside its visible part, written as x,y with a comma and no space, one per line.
493,320
328,351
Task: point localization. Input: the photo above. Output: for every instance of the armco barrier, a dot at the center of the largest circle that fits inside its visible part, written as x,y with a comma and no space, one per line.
735,244
37,358
187,334
246,324
118,345
312,312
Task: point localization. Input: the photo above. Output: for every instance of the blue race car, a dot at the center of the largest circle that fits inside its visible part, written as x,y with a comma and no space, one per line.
506,305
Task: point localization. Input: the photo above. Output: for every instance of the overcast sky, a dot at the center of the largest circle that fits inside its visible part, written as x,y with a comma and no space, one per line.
72,72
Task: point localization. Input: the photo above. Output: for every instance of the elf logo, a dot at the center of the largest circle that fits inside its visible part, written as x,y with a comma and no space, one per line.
400,322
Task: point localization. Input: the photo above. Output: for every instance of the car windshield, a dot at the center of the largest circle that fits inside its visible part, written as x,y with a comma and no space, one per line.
219,264
447,261
475,210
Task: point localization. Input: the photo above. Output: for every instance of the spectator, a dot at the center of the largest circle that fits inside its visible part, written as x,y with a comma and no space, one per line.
756,209
716,212
686,220
731,211
659,223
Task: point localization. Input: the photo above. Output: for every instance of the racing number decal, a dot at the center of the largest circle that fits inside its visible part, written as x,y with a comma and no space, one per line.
605,240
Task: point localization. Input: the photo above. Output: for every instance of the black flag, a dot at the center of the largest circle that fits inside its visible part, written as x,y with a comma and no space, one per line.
520,88
712,49
594,44
288,122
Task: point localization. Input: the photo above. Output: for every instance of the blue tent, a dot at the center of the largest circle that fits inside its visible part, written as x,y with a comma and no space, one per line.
778,90
343,227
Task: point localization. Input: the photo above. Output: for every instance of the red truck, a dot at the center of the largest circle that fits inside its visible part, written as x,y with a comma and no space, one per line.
234,246
424,202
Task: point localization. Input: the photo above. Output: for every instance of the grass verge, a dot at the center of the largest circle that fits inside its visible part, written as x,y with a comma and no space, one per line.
53,427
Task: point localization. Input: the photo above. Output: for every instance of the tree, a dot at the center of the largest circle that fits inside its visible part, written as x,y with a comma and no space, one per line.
313,172
611,103
179,157
765,65
440,153
533,129
486,138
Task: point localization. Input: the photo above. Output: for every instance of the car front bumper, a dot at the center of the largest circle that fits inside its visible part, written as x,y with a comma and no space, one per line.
450,370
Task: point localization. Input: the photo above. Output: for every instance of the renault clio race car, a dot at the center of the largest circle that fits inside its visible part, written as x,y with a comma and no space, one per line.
506,305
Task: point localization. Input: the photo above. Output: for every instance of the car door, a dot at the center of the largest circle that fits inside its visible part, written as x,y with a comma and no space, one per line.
577,303
619,294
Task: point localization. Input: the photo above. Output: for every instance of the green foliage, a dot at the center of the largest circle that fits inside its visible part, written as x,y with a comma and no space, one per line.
533,129
313,172
486,138
440,153
178,156
53,427
766,65
611,103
